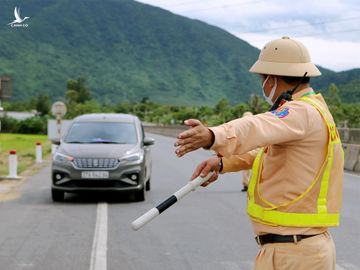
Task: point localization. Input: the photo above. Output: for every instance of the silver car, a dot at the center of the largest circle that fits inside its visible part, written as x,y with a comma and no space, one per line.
103,152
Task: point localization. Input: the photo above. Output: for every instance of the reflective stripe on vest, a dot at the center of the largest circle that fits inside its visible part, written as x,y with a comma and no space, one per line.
270,215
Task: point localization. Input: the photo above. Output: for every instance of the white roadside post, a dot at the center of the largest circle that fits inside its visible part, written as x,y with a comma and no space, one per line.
38,152
12,164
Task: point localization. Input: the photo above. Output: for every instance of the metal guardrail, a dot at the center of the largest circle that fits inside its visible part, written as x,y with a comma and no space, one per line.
171,131
350,135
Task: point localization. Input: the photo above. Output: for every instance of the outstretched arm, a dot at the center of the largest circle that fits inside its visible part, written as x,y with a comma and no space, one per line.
287,124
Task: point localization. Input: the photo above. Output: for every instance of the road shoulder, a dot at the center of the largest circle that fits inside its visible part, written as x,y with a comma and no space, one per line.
10,189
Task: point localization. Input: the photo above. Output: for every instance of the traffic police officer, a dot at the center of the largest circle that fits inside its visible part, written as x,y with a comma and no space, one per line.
295,191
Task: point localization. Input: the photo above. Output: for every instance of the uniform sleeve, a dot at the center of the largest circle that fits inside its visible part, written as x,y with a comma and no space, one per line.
237,163
287,124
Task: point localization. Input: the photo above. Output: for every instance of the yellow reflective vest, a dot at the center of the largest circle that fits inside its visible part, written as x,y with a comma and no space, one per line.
322,213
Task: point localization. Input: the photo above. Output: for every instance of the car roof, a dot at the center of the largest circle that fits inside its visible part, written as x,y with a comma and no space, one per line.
106,117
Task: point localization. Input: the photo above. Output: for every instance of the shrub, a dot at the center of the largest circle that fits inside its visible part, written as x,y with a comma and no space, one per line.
33,125
9,125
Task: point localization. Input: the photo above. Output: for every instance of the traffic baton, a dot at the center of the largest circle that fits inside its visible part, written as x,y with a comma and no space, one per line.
154,212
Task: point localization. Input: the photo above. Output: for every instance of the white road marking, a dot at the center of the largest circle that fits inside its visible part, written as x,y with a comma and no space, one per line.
99,248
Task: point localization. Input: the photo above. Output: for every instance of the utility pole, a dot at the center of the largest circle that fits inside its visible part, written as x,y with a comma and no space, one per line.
1,113
5,93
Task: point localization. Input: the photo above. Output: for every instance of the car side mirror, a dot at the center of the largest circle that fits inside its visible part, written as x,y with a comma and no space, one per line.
56,142
149,141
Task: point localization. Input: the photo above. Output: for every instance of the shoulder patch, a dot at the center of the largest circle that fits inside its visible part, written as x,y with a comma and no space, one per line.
281,112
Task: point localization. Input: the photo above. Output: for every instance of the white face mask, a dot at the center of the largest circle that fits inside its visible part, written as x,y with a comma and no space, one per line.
272,92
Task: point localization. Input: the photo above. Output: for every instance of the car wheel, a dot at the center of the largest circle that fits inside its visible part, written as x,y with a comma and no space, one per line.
140,195
148,185
57,195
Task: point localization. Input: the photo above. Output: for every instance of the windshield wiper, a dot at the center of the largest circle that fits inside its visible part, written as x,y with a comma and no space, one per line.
76,142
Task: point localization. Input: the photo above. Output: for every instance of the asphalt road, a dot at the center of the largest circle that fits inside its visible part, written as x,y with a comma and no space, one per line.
207,230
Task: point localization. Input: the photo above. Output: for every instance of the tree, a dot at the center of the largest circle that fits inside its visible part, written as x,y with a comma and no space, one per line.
77,92
334,102
123,107
185,113
256,104
223,111
19,106
239,109
333,97
351,114
204,113
82,108
145,100
222,106
42,104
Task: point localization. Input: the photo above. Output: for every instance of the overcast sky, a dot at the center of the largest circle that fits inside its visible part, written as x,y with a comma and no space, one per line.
330,29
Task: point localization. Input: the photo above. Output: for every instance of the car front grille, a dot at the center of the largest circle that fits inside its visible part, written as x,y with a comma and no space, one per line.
96,163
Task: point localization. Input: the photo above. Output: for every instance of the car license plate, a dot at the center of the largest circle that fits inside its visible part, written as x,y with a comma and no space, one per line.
95,175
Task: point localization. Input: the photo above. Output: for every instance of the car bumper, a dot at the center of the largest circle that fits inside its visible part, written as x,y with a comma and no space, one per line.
69,179
76,189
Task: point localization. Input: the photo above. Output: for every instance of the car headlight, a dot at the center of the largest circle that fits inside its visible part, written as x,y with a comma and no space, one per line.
137,157
58,157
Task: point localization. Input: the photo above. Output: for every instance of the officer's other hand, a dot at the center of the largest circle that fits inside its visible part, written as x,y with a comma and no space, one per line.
205,167
197,136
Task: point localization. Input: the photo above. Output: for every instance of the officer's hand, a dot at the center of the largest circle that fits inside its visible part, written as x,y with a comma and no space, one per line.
205,167
195,137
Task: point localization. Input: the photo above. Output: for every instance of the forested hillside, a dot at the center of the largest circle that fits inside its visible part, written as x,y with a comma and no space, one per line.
128,51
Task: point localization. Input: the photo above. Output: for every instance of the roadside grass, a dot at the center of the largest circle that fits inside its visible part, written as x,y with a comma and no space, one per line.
25,148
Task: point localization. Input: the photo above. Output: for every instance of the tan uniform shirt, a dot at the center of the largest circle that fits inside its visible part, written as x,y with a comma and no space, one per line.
296,136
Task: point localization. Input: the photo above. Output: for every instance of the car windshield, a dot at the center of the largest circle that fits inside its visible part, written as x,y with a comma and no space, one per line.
102,132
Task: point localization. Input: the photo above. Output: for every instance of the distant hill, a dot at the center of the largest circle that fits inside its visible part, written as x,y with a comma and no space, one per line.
348,83
127,51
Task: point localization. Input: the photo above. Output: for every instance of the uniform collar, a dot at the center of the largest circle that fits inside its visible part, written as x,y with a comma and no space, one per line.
302,92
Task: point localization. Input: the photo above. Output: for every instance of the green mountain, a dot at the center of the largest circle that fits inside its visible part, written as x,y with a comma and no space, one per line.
348,83
127,51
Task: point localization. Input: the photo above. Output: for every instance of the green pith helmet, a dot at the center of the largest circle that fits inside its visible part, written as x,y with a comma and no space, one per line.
285,57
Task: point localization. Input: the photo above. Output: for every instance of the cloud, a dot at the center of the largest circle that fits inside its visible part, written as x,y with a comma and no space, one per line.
336,55
331,28
333,54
